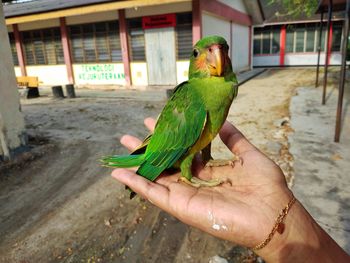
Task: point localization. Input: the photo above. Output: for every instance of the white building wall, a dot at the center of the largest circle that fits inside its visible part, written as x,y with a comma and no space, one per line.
49,74
18,71
310,59
237,37
182,71
139,73
302,59
212,25
240,47
261,61
236,4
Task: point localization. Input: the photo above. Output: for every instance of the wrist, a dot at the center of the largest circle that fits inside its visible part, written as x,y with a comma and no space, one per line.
303,240
283,247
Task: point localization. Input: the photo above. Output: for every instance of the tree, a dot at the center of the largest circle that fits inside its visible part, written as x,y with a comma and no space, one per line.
15,1
296,7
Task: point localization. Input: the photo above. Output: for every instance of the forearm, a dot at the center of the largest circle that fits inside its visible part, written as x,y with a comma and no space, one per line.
303,241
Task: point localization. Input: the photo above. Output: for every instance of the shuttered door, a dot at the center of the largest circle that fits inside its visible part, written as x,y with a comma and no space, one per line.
160,56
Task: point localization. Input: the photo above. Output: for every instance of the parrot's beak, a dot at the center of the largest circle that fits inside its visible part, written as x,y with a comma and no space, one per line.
216,60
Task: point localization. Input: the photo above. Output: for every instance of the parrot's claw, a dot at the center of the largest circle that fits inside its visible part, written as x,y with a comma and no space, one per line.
196,182
219,162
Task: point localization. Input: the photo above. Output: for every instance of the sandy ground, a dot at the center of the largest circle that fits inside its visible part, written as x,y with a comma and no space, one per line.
58,205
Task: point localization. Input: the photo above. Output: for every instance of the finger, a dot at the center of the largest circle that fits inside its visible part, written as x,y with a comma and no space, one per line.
167,179
155,193
130,142
234,139
150,123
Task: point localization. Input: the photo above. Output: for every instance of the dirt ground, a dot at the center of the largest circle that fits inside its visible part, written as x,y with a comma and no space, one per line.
58,205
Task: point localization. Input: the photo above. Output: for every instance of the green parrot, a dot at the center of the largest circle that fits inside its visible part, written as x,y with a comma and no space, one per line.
191,119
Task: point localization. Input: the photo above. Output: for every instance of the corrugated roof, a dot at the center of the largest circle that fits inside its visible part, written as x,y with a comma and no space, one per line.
41,6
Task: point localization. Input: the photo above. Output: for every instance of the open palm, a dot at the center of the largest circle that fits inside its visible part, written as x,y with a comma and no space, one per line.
243,210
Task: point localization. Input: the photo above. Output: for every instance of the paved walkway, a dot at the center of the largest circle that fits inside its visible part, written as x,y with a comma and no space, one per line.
322,167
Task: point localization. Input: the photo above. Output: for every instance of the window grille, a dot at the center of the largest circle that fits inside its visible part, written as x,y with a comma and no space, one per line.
266,40
95,42
336,37
43,47
136,40
13,49
184,35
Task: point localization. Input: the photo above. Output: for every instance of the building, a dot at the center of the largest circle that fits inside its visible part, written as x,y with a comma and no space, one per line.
132,42
283,40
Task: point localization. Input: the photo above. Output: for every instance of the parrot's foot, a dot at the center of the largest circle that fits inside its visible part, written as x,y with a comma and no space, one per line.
219,162
196,182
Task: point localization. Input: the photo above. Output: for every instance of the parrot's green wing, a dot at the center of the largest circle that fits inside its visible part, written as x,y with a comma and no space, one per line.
179,126
142,147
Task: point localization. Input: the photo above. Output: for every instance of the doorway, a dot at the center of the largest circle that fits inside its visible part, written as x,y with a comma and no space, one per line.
161,56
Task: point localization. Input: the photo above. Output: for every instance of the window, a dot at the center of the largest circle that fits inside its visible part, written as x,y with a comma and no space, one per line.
299,38
43,47
13,49
310,38
336,37
275,40
136,40
184,35
305,37
257,43
323,37
98,42
290,30
267,40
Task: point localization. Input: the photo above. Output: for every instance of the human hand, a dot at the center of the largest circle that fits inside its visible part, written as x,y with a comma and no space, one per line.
242,212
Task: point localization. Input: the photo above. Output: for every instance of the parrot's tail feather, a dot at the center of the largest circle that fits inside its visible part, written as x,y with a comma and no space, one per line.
123,161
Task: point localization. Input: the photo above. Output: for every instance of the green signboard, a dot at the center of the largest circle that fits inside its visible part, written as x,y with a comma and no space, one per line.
100,73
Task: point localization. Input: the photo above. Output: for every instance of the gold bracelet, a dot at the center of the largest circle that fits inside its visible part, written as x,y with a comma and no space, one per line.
279,225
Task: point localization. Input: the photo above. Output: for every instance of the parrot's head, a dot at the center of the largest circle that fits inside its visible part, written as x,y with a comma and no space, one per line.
210,58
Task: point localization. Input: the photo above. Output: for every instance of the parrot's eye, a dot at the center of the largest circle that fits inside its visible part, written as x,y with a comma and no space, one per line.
195,53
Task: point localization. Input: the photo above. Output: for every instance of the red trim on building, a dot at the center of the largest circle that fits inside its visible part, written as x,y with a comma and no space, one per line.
125,46
220,9
19,49
282,44
250,48
196,21
66,50
231,35
330,43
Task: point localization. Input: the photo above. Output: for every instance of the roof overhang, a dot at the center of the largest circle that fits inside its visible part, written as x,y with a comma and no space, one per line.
255,11
89,9
337,5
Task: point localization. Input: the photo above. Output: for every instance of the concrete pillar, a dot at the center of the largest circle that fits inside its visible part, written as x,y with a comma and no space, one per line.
123,32
12,130
66,52
196,21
